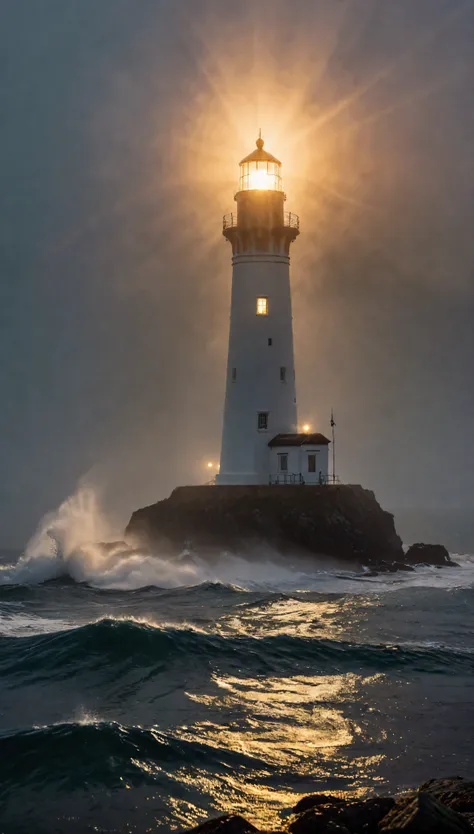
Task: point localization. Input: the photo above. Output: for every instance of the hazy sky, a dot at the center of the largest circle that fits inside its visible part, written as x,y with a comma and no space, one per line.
122,124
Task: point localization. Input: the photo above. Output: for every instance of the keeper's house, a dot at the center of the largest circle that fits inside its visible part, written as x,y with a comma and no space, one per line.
299,458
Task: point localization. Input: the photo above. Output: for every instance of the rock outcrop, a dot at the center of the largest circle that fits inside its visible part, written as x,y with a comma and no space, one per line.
344,522
423,814
440,806
351,816
428,554
457,793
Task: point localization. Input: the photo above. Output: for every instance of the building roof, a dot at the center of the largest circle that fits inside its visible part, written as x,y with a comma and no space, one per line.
260,155
300,439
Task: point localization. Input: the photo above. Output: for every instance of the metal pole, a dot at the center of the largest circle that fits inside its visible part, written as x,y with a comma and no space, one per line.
333,427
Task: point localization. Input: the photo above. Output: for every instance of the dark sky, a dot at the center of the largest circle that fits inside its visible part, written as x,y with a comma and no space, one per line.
122,123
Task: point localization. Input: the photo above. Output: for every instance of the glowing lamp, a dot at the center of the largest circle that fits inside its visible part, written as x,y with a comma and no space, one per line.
260,171
306,428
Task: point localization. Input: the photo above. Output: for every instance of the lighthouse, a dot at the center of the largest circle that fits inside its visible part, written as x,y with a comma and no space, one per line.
260,439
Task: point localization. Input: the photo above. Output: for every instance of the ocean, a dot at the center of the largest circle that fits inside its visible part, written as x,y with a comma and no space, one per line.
142,694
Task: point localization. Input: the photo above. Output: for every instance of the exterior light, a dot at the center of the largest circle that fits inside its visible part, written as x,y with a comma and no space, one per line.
306,428
210,465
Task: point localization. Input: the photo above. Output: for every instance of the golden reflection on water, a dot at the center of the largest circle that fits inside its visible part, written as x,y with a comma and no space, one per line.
305,725
330,619
306,731
287,719
294,723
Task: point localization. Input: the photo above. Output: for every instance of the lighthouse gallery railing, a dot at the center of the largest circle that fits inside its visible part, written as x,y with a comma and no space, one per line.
290,220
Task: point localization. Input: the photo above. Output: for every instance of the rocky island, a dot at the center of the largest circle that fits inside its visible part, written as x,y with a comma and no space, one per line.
343,522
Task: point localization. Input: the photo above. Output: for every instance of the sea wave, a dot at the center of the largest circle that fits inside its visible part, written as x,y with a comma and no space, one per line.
99,753
115,646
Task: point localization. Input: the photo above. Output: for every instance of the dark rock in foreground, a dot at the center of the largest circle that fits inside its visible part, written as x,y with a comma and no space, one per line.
423,813
351,816
440,806
343,522
456,792
315,800
226,824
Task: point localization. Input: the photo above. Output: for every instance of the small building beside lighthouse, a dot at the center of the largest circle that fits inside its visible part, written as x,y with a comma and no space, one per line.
260,439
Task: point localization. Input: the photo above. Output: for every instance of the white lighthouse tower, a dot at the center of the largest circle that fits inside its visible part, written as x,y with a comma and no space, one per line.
260,440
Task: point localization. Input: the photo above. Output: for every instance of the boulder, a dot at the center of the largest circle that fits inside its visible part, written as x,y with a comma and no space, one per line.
354,816
457,793
226,824
316,799
386,567
423,814
428,554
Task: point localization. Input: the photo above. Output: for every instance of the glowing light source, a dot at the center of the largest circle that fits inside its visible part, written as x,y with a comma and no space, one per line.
210,465
261,179
260,176
306,428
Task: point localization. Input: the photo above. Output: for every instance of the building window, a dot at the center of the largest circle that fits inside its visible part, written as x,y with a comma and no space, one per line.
234,374
270,342
311,463
282,374
262,305
262,421
282,462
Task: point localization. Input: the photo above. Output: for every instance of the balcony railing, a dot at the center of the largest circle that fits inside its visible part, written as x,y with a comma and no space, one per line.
286,478
229,220
290,220
298,478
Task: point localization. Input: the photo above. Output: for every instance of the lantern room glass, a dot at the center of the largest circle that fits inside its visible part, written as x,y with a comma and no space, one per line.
260,175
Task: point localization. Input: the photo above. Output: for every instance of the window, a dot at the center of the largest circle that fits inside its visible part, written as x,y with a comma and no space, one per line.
234,374
270,342
311,463
262,421
282,374
282,462
262,305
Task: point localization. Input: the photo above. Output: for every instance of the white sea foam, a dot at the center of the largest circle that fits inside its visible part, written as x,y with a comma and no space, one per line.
77,541
27,625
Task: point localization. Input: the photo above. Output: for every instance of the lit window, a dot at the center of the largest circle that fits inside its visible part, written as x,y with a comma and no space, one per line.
234,374
283,462
311,463
262,421
282,374
262,306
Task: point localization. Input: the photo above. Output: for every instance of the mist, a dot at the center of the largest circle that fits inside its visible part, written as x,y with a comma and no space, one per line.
122,128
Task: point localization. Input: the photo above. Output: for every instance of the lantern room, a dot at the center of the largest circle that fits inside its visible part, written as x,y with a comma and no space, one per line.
260,171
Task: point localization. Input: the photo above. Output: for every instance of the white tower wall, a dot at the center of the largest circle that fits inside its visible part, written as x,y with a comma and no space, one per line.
260,369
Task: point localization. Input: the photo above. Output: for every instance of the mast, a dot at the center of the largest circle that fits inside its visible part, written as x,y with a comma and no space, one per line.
333,427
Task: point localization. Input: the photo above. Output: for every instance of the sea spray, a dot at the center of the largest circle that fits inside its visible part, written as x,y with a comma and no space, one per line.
77,541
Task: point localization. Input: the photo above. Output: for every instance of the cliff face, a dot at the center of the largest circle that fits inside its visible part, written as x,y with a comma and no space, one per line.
345,522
